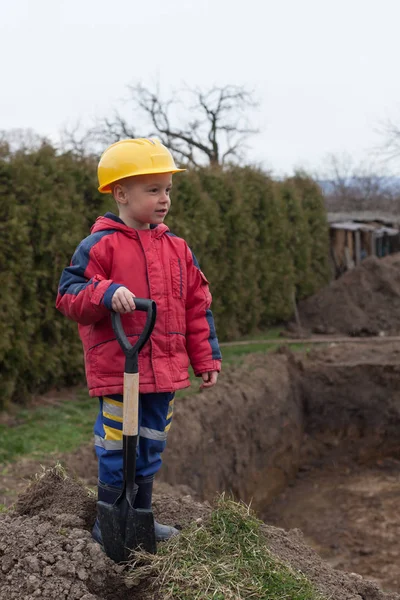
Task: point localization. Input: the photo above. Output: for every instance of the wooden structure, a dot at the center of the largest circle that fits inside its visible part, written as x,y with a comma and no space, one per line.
352,241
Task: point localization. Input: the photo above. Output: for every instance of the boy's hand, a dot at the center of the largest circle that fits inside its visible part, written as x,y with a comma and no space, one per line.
209,379
122,301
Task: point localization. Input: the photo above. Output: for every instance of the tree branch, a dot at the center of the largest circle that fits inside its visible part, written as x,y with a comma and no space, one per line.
199,126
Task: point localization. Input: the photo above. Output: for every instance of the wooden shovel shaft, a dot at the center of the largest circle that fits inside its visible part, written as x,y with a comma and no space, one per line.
131,404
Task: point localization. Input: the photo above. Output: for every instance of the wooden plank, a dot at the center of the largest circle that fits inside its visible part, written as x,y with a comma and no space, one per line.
358,247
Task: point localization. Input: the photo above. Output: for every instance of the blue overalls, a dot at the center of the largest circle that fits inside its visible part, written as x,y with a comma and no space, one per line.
155,416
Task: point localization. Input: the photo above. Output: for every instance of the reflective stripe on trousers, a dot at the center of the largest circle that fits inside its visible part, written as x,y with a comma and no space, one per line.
155,416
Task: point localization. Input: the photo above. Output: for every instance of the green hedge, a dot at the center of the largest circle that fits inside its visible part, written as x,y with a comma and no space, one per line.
257,240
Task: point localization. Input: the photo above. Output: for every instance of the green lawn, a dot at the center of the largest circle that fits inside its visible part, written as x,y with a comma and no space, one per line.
44,430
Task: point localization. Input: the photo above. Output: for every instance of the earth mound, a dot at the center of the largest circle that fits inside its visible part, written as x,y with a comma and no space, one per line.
364,301
46,549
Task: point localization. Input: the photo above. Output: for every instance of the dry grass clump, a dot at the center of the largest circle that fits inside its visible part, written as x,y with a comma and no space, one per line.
225,558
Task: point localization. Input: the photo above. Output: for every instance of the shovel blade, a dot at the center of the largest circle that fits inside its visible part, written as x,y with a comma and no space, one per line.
124,529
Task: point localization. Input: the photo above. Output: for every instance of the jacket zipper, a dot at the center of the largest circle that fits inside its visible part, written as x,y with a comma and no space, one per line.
180,278
148,285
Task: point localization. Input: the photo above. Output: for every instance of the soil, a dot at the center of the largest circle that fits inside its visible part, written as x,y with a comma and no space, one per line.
47,552
345,494
245,437
15,477
364,301
311,441
46,548
349,515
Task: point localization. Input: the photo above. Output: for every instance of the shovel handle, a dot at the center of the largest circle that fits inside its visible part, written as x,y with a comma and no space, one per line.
130,405
148,306
130,418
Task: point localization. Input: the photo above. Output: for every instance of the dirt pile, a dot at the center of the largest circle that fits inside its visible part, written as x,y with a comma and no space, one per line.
364,301
50,554
290,547
46,548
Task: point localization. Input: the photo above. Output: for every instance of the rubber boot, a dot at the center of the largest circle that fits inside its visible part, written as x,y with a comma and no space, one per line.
143,500
108,494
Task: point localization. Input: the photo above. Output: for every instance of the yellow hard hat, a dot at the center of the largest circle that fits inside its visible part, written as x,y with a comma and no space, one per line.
128,158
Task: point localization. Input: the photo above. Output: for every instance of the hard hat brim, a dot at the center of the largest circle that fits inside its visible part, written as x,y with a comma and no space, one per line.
106,187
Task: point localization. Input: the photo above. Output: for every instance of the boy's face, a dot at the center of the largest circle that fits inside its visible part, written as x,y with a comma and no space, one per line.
144,200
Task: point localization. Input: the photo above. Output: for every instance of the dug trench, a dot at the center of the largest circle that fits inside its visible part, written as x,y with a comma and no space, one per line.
310,440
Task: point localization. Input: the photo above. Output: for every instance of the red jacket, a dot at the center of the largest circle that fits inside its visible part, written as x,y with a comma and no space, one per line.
152,263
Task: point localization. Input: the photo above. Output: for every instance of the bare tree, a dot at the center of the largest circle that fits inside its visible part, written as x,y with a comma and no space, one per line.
74,138
18,139
349,187
91,141
389,150
198,126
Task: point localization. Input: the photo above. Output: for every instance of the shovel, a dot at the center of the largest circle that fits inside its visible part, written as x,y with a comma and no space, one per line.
124,528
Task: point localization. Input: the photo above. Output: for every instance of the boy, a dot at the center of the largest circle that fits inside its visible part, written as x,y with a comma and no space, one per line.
131,255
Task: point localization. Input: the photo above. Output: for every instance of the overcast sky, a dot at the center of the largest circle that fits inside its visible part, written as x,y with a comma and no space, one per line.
326,72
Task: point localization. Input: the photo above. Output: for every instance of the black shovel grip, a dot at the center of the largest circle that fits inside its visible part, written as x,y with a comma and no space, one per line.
148,306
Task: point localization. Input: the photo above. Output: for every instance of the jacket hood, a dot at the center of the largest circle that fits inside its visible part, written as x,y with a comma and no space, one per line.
111,221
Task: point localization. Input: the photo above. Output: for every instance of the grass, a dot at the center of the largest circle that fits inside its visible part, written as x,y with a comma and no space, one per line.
226,558
48,430
273,333
64,426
